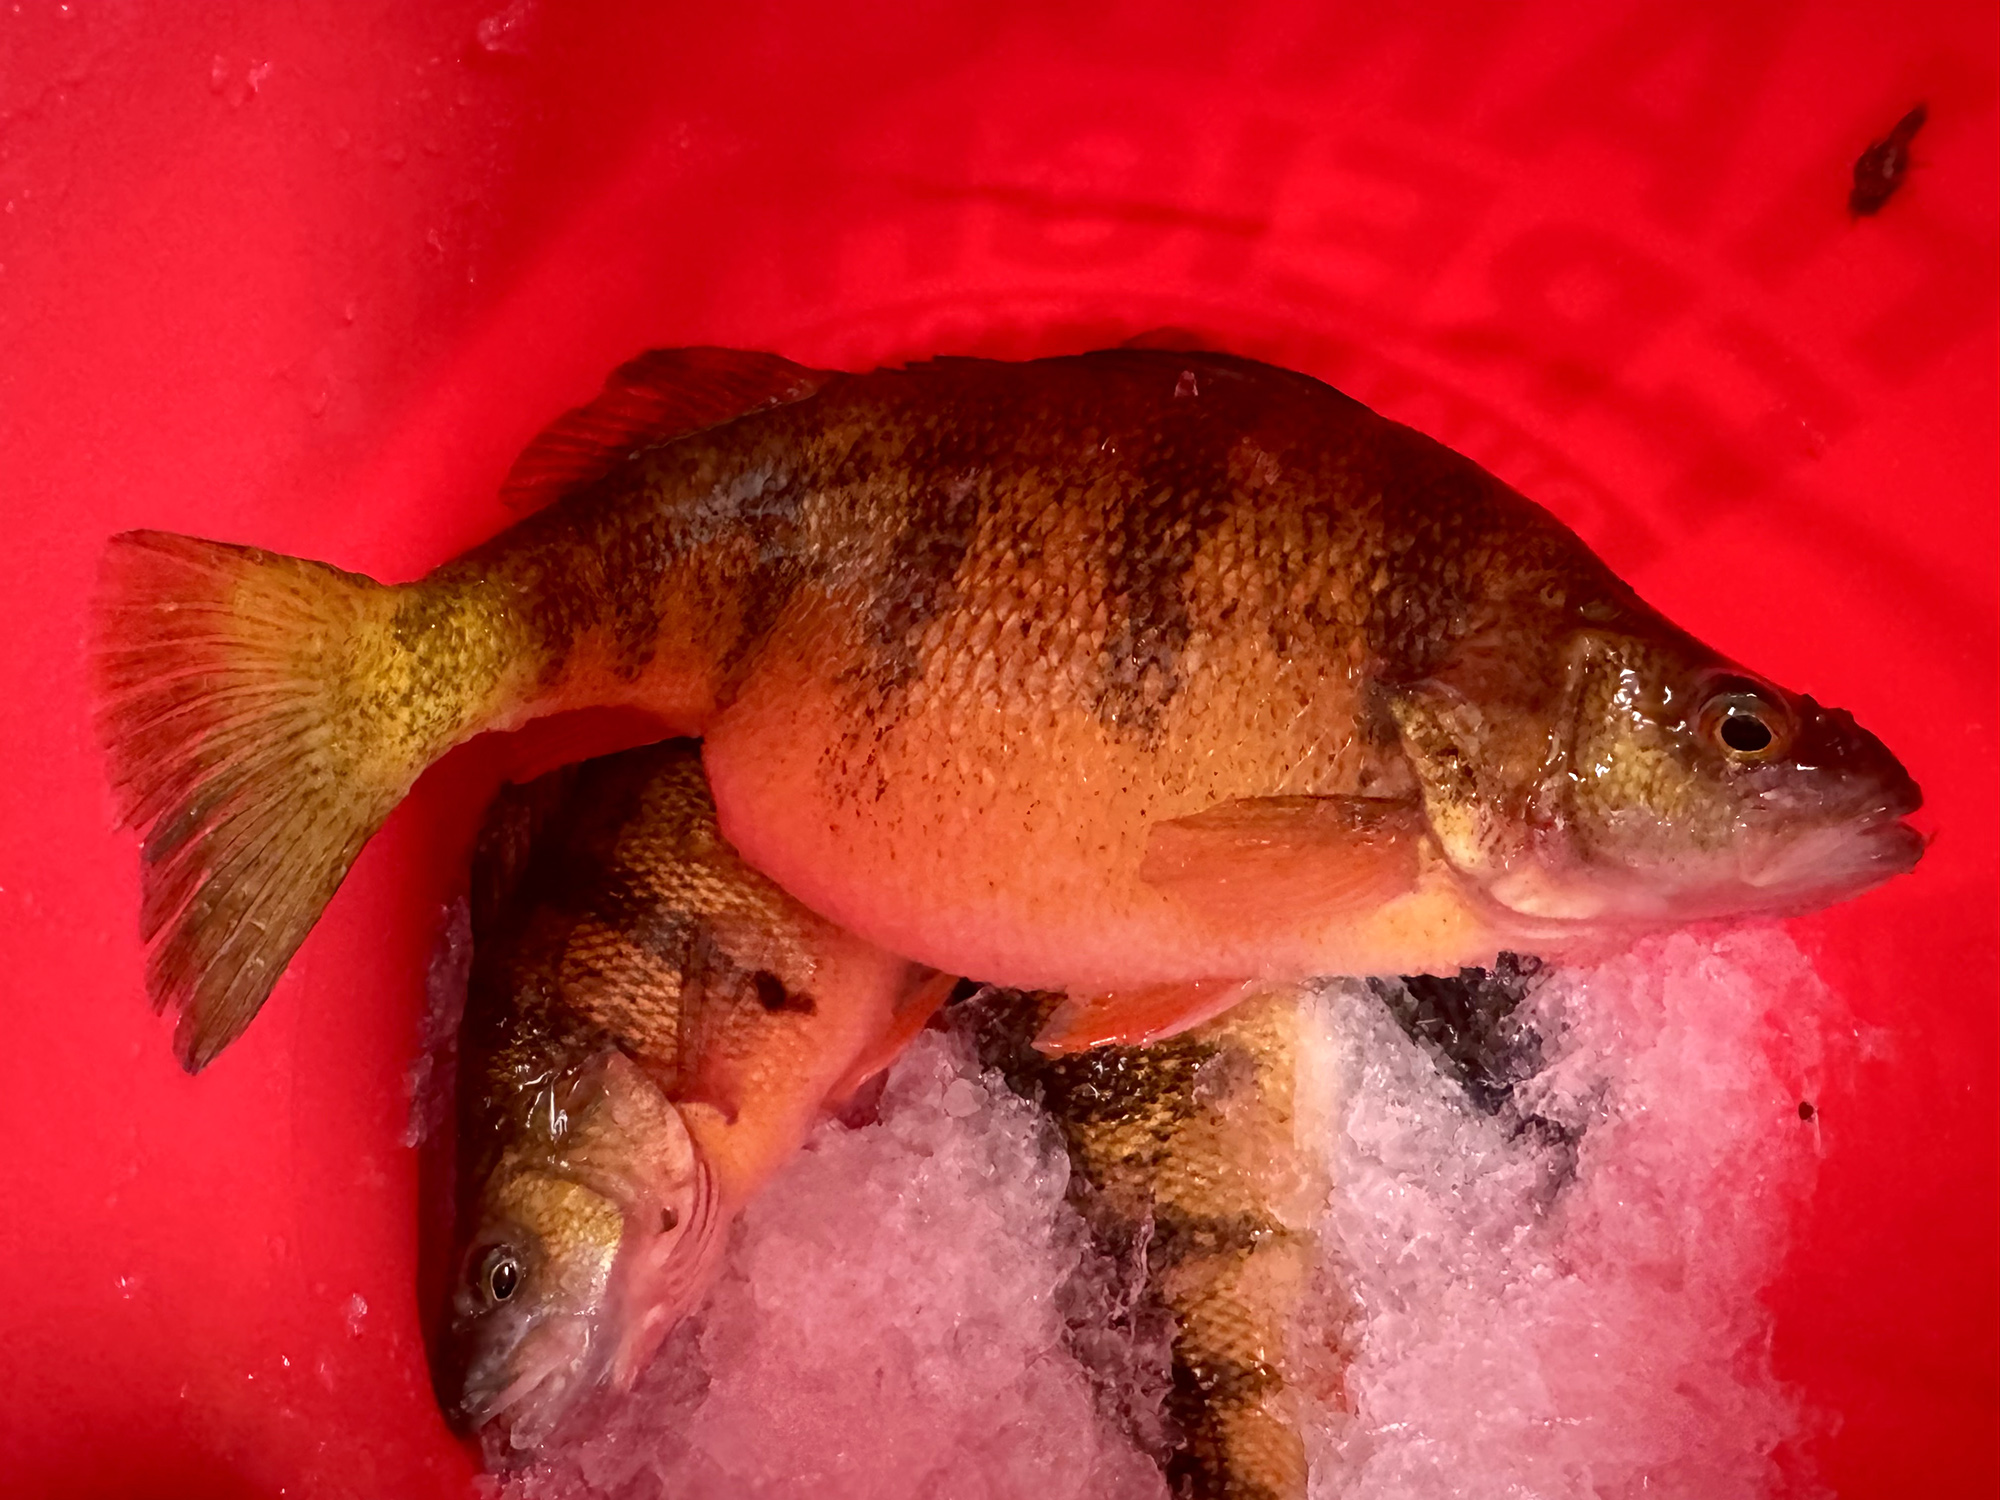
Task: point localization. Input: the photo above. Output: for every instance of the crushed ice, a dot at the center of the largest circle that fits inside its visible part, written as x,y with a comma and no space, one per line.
1555,1298
1560,1299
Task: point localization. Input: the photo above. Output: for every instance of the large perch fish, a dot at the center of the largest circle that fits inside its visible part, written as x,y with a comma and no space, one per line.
651,1030
1136,674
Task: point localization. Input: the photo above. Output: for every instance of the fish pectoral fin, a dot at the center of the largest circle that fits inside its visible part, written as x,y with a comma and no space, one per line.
1278,858
912,1014
1134,1017
662,395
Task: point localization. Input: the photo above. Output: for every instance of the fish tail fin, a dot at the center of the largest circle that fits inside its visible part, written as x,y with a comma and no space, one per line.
243,740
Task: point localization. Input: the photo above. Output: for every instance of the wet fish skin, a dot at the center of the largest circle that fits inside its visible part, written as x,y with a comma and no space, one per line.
1191,1148
941,625
650,1031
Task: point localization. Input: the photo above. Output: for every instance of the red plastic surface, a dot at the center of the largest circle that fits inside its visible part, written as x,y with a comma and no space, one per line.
309,276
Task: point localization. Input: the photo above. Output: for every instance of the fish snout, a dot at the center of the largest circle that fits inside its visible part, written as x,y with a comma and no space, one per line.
1833,744
525,1390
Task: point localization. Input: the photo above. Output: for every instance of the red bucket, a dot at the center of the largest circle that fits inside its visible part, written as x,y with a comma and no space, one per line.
310,278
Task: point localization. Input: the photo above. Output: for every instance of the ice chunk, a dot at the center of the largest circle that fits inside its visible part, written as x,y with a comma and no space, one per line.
506,30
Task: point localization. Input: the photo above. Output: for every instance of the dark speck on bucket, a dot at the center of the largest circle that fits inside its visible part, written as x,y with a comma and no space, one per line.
1879,170
1806,1111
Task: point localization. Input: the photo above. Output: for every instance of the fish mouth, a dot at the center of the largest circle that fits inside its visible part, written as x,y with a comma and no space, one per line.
1897,845
526,1399
1832,865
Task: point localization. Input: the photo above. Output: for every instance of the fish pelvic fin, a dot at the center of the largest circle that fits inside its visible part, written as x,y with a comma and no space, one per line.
913,1013
1138,1016
257,714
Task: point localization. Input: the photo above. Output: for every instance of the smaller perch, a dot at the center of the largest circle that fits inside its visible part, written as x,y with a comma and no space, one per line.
651,1030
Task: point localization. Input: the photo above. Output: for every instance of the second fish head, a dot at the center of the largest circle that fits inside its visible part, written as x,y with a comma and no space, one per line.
589,1240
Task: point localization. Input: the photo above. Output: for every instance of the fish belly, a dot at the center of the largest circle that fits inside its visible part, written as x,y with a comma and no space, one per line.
999,833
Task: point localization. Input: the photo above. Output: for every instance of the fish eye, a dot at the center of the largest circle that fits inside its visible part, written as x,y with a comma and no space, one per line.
1746,734
500,1275
1746,725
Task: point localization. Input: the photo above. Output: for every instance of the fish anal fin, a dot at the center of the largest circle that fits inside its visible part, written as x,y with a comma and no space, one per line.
912,1015
1137,1016
1280,858
662,395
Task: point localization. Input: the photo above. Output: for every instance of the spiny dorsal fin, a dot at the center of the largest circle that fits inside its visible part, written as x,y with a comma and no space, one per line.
509,840
662,395
1174,339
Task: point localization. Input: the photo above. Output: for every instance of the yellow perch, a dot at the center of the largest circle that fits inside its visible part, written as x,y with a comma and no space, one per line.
1197,1151
1256,684
651,1030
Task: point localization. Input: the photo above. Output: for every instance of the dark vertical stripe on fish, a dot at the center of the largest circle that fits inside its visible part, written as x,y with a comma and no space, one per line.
1177,493
1179,1235
947,466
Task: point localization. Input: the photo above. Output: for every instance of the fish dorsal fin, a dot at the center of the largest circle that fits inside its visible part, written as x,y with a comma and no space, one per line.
516,824
662,395
1172,338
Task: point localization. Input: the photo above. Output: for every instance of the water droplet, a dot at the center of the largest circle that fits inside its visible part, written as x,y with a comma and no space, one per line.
357,1309
506,31
218,73
256,76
